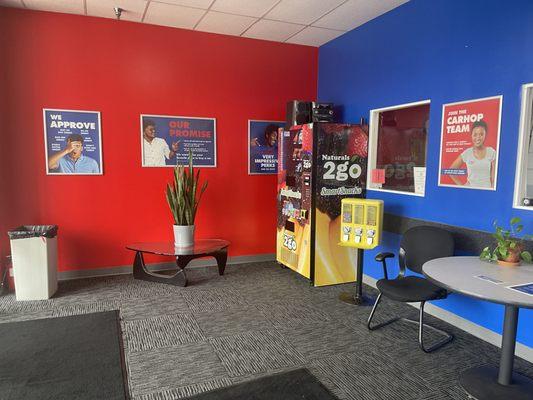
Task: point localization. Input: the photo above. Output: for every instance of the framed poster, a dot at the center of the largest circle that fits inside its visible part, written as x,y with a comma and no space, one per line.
470,140
166,141
73,142
263,146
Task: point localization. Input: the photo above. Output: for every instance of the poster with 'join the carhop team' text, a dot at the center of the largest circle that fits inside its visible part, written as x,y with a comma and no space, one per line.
469,143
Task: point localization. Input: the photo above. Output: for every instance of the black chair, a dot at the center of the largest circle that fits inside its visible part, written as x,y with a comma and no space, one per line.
418,245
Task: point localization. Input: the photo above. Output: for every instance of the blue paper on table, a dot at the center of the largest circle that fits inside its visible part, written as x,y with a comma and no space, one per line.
526,288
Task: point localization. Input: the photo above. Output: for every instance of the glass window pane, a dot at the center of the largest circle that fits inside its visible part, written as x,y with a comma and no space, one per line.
529,160
523,195
402,138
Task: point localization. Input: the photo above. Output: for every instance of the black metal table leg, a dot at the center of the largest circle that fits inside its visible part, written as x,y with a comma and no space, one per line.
358,298
140,272
500,384
222,257
138,265
510,325
216,248
182,262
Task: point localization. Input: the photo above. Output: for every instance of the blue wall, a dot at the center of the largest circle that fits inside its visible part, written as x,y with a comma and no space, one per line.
445,51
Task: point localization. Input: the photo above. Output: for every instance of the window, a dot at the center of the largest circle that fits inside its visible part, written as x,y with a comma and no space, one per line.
397,148
523,193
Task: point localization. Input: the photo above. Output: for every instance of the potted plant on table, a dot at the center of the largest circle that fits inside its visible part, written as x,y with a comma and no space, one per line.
509,250
183,197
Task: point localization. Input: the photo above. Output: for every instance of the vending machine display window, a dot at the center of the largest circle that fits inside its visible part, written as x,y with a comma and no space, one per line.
397,148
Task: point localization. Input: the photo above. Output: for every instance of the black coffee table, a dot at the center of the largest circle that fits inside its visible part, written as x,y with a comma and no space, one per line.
216,248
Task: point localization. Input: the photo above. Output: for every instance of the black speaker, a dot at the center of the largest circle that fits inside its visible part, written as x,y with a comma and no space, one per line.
298,113
322,112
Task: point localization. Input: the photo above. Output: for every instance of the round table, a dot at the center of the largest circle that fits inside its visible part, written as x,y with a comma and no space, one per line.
216,248
489,281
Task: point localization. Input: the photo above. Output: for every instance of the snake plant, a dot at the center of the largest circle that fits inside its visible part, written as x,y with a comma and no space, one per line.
183,195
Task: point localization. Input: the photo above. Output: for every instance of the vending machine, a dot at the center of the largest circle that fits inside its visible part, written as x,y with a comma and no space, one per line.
319,165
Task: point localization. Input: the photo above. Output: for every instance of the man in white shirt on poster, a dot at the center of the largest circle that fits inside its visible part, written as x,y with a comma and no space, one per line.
155,150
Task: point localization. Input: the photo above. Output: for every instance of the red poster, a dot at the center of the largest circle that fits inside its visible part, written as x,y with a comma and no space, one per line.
469,143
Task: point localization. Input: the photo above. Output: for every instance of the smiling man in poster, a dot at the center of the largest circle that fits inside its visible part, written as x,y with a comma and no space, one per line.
156,150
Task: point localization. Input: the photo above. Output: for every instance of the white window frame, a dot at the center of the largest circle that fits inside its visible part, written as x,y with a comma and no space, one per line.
373,146
521,159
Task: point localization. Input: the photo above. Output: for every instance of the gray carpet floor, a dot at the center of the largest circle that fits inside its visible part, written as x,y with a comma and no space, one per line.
259,319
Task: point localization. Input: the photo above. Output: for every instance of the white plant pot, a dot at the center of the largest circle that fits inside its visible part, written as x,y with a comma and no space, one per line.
183,235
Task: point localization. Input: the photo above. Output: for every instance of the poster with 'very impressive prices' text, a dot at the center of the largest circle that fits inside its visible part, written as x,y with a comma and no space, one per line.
263,147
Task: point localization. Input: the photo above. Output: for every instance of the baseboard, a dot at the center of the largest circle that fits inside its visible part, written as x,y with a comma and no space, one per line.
127,269
476,330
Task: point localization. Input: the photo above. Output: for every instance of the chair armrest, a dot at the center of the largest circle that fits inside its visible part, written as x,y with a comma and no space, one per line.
383,256
401,262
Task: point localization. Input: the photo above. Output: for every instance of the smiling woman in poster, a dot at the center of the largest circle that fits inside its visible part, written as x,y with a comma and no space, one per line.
479,159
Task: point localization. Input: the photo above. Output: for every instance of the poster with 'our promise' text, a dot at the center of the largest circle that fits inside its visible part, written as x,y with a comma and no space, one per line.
469,143
167,141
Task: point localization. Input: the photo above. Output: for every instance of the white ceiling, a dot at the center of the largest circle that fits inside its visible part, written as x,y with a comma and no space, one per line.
308,22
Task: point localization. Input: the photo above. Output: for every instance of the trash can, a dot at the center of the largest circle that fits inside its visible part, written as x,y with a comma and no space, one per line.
34,257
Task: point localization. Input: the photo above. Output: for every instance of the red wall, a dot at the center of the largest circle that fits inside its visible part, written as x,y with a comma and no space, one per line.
124,69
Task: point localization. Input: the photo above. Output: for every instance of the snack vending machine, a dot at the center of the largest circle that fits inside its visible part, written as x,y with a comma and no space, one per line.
319,165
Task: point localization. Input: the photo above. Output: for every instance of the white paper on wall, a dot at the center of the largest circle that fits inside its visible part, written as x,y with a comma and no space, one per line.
419,174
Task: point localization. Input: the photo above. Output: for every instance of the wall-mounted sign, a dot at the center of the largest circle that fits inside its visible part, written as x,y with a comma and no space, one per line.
263,146
73,142
167,140
469,143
